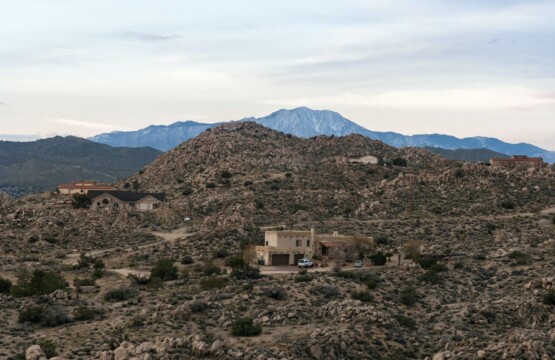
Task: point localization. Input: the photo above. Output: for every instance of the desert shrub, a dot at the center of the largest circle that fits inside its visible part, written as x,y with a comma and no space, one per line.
221,253
382,240
213,282
164,270
210,268
408,296
399,162
187,260
37,283
84,313
303,276
210,185
245,327
520,258
379,258
120,294
187,191
84,282
438,268
549,297
327,291
372,282
406,322
235,262
5,285
32,314
259,203
431,277
491,227
46,316
458,265
459,173
247,183
276,293
508,204
426,261
246,272
49,348
226,174
138,280
199,306
53,316
362,295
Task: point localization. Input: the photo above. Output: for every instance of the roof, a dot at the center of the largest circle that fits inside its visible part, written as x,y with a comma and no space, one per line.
127,196
334,243
82,184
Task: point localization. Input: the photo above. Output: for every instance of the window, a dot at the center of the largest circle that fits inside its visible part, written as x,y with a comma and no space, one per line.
307,243
266,243
298,243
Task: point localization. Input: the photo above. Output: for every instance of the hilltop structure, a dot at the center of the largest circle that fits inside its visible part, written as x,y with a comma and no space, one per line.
518,160
83,187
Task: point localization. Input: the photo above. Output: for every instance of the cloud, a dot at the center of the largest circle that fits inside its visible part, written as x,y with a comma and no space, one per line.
86,124
151,37
440,99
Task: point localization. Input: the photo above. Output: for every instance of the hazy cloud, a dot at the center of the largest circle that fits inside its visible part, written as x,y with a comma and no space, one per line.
87,124
151,37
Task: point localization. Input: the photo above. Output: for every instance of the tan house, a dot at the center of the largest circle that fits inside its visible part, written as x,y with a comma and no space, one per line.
518,160
82,187
287,247
126,199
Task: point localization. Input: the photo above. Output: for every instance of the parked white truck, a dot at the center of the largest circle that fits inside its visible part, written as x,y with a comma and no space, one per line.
305,263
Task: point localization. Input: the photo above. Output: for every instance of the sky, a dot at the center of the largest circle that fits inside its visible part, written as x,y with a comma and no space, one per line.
463,68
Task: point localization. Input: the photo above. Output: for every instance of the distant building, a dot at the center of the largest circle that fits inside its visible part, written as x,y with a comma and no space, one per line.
82,187
116,199
518,160
287,247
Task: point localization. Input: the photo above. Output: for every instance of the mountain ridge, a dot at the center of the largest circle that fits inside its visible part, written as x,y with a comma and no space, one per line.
305,122
43,164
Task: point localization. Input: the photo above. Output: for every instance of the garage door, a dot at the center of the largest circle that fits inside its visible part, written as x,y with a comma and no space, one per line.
280,259
298,257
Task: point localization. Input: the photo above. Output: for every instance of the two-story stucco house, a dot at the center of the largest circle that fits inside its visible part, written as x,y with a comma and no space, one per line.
287,247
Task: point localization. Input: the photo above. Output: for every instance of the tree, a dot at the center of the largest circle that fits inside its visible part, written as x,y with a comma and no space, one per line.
249,254
363,245
412,250
80,201
378,259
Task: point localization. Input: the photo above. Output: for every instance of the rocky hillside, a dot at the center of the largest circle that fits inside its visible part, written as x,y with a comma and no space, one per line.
467,272
267,176
43,164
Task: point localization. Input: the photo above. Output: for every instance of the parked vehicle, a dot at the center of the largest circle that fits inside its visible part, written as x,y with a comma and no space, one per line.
358,263
305,263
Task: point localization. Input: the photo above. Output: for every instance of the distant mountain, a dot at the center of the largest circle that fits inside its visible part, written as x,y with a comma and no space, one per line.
483,155
158,137
305,122
43,164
